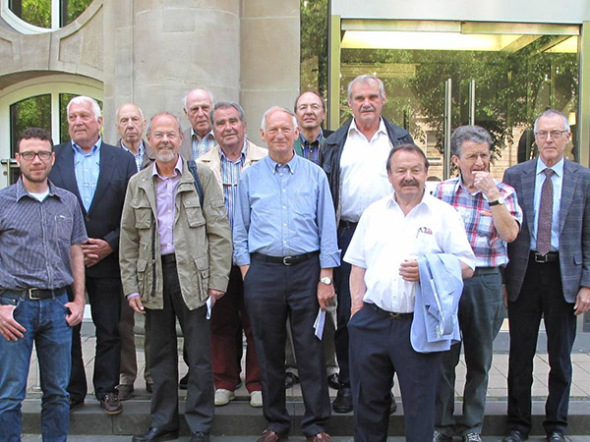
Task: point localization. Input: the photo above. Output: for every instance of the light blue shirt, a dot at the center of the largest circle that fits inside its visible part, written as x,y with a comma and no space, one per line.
87,169
285,210
138,156
557,179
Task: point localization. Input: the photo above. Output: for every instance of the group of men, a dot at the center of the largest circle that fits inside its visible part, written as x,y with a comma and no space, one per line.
270,243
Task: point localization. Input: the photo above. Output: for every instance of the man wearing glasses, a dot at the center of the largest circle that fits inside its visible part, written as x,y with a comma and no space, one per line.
41,232
548,274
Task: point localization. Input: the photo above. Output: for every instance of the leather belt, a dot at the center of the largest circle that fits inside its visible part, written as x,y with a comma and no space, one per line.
391,315
169,259
486,271
285,260
544,259
34,294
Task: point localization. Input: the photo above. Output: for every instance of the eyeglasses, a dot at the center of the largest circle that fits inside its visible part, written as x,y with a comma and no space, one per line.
29,155
555,134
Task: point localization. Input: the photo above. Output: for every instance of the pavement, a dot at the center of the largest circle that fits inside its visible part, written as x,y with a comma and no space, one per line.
238,421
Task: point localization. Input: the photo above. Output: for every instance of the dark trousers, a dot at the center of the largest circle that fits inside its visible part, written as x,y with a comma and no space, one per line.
342,287
481,312
274,292
379,347
161,325
104,295
228,318
541,296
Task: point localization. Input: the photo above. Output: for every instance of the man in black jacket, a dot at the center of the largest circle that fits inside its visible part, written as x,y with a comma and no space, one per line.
97,174
353,157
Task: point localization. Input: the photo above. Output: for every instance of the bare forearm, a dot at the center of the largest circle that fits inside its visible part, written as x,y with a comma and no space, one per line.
504,222
77,262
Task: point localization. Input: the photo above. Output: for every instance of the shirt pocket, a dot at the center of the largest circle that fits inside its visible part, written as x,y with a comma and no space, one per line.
64,225
194,213
305,203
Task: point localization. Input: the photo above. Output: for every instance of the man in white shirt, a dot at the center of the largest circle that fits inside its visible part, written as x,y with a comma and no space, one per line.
392,233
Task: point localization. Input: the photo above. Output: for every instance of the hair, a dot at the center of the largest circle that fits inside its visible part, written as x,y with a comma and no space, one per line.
35,132
227,105
309,92
161,114
407,148
475,134
129,104
185,98
80,99
366,78
551,112
273,110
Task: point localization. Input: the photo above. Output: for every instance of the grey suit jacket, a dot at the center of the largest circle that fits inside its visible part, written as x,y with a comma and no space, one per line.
574,228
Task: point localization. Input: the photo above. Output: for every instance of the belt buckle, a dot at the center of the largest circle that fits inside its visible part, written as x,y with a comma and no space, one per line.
541,259
394,315
287,260
33,297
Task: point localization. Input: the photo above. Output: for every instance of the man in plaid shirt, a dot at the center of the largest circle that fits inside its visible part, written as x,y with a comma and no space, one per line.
492,218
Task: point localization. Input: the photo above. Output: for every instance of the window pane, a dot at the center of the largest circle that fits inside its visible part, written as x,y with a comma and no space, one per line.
314,46
71,9
30,112
35,12
64,99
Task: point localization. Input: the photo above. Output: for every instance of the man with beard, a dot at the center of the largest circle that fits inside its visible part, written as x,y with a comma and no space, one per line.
41,232
175,259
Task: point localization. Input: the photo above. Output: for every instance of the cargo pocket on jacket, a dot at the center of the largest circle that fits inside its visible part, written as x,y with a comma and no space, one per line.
202,276
194,213
141,277
143,217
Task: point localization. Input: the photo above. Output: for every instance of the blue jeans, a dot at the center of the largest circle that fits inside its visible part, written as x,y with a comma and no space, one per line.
45,322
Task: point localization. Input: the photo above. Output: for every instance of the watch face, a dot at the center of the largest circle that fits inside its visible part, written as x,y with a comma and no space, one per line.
326,280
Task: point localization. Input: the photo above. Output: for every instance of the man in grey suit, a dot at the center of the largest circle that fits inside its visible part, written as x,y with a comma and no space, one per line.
199,138
548,274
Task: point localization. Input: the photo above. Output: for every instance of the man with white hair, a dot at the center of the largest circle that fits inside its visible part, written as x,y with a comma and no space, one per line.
198,139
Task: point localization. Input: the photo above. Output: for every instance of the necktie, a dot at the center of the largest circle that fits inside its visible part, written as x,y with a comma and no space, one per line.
545,215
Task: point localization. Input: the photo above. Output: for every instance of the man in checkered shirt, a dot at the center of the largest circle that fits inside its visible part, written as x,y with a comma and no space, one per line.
492,219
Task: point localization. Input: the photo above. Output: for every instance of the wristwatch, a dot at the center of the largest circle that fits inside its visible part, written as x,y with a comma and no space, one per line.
326,280
497,202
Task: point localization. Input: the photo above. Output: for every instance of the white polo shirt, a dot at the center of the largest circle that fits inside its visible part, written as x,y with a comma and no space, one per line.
385,237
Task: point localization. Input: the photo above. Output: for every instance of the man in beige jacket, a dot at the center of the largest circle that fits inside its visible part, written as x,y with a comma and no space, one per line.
175,256
232,154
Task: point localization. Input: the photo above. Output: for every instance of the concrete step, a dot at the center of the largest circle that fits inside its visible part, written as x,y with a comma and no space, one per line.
239,419
496,438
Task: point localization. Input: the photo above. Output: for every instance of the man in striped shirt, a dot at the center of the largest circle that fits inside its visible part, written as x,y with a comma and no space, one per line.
232,154
492,218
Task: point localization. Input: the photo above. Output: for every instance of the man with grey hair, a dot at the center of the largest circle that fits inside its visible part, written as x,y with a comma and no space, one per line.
548,275
492,217
199,138
285,244
353,159
233,154
97,174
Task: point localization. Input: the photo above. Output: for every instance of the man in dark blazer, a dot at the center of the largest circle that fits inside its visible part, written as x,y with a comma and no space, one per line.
97,174
548,274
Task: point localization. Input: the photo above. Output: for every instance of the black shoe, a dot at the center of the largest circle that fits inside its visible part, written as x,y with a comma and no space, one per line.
111,404
76,403
183,384
514,436
333,381
155,434
343,401
199,436
393,406
555,437
149,387
291,379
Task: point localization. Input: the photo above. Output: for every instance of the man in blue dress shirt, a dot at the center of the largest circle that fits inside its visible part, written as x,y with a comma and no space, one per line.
285,244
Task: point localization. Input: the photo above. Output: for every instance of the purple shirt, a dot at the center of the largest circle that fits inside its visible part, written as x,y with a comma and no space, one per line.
165,207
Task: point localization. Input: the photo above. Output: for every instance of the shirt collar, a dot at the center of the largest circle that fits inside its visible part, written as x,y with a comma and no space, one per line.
177,169
95,149
391,202
195,135
223,157
22,192
557,167
291,165
140,151
318,139
353,127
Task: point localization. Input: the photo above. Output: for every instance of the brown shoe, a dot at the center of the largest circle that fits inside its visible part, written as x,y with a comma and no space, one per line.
111,404
320,437
124,391
271,436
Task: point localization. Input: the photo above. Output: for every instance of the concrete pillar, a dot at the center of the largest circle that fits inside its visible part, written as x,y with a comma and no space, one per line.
160,49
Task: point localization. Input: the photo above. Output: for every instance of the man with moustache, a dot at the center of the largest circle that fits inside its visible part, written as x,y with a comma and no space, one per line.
97,174
232,155
391,234
285,244
310,112
175,259
492,218
548,274
41,232
353,159
199,138
131,125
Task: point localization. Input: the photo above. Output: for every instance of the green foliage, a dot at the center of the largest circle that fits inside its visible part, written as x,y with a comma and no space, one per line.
30,112
314,45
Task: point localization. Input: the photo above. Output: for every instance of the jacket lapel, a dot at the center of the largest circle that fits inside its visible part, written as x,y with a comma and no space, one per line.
568,188
528,193
107,168
64,166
